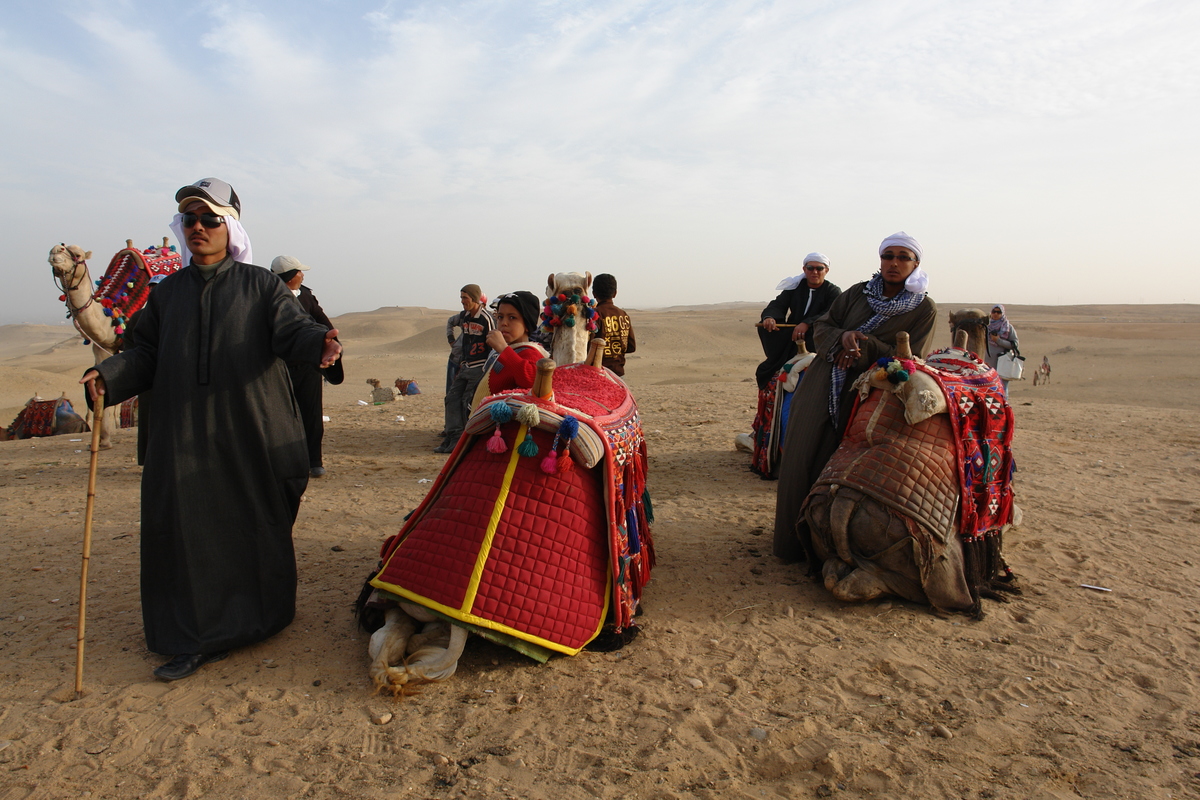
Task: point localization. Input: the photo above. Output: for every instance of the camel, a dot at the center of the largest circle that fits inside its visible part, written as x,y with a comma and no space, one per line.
574,494
44,418
1042,373
101,317
69,263
888,514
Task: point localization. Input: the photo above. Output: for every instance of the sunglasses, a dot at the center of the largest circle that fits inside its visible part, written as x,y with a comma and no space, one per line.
815,269
889,257
207,220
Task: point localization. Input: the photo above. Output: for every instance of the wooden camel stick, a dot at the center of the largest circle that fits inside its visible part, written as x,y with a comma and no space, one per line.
543,382
87,544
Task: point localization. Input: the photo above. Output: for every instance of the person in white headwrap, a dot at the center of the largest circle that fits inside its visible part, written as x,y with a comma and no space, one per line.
226,460
859,328
802,299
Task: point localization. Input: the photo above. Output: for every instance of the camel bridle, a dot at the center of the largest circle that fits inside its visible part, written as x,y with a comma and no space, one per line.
77,275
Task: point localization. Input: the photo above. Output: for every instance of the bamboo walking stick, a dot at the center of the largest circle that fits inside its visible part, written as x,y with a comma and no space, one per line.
98,416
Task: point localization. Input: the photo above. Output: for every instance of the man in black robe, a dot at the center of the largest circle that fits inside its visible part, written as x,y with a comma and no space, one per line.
308,380
802,300
226,462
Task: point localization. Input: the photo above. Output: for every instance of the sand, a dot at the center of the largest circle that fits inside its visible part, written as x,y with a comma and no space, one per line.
748,680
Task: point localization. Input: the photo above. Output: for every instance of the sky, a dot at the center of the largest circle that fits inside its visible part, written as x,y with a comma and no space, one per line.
1042,151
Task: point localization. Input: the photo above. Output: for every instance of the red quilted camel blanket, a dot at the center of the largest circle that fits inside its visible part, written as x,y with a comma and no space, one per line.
529,530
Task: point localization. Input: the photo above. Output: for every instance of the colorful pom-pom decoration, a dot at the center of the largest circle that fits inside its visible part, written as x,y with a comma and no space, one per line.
501,413
496,443
528,416
550,464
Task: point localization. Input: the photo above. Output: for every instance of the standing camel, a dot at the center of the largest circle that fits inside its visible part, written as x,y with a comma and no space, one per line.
101,319
69,263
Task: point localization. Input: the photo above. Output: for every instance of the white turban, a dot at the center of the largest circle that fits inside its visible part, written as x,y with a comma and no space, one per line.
918,281
239,240
787,284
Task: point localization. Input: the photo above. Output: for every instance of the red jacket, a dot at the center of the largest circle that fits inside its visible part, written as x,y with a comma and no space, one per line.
515,367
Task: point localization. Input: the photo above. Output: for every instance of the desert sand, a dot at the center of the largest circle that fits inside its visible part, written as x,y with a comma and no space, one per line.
748,680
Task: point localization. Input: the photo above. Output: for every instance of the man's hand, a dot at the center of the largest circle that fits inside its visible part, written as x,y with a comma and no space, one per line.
495,340
769,324
94,382
332,350
851,352
799,331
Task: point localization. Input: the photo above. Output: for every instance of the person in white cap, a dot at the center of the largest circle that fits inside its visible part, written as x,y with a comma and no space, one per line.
859,328
802,298
226,462
308,380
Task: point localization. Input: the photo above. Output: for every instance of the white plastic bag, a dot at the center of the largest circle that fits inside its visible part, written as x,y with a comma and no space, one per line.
1010,365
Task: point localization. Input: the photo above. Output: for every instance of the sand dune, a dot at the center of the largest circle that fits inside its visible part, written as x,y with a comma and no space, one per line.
748,681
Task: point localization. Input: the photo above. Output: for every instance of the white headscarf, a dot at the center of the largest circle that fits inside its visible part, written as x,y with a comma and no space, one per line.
918,281
239,240
787,284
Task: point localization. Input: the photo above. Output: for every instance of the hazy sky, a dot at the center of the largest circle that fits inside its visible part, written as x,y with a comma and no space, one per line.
1043,151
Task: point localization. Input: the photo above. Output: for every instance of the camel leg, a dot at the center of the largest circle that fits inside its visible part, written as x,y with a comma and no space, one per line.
437,659
387,647
858,587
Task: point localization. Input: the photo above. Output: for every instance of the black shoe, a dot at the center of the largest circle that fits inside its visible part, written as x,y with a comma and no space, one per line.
184,665
444,447
316,472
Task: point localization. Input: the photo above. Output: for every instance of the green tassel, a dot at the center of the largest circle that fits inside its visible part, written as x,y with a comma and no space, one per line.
528,447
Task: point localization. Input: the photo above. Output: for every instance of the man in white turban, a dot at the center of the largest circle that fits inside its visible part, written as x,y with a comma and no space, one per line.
802,298
859,328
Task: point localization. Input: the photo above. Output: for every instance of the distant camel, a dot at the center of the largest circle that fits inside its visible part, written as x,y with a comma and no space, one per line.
1042,373
44,418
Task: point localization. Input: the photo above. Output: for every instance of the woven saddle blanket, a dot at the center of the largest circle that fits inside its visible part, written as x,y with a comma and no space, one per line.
39,418
125,285
529,530
951,472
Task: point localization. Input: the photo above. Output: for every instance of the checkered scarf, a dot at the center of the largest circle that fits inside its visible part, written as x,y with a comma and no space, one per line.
884,308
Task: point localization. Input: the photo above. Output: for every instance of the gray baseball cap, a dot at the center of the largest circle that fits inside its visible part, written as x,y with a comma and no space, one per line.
213,192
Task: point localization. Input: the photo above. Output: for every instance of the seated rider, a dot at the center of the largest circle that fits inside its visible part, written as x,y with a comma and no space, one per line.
512,364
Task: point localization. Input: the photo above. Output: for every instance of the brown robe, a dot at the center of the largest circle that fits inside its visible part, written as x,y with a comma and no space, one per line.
811,439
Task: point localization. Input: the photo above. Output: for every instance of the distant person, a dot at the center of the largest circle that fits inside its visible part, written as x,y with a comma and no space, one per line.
308,380
476,323
614,324
226,463
859,328
1001,338
801,300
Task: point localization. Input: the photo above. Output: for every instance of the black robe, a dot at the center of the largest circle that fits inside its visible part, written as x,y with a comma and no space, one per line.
793,306
226,462
308,379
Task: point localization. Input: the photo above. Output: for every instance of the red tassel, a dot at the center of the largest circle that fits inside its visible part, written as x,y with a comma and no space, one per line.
565,464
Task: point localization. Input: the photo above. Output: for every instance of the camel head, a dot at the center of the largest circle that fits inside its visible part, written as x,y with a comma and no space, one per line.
65,260
373,383
571,317
974,322
568,283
